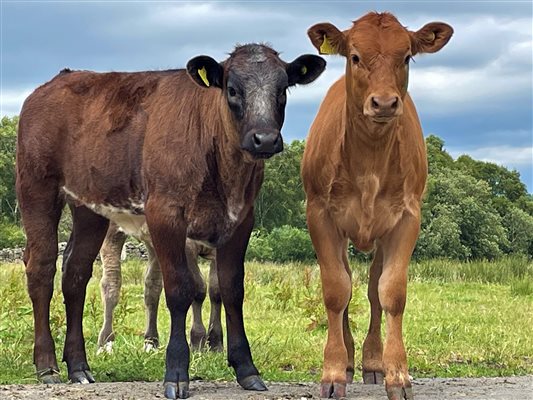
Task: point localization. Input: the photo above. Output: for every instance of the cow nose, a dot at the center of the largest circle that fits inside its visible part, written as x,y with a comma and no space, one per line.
383,105
267,142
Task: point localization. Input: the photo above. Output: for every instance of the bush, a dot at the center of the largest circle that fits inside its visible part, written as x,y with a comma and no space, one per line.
283,244
290,244
258,247
519,228
11,236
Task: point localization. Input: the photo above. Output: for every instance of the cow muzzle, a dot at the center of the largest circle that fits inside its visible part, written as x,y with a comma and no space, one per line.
263,143
383,108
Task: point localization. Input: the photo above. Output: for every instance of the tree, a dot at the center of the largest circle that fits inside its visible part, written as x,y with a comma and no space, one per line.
281,199
502,182
458,209
519,228
8,137
438,158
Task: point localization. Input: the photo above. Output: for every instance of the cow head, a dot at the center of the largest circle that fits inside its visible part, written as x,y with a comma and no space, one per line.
378,50
254,83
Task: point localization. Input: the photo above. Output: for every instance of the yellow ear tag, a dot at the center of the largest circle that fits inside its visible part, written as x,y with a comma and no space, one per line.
203,74
326,47
304,70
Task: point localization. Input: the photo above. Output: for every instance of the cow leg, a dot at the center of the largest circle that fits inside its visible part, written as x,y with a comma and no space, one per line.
88,233
398,246
168,231
346,332
153,285
230,268
214,332
336,288
110,283
41,209
198,333
373,347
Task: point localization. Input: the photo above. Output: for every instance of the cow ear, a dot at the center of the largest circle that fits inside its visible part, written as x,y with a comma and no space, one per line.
431,38
305,69
327,39
205,71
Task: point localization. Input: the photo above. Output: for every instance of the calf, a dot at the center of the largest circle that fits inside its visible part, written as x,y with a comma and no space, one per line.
112,279
167,155
364,171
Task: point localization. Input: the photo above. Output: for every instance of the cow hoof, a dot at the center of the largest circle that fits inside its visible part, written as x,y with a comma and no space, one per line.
373,377
170,390
106,348
198,340
400,393
215,342
253,382
49,376
332,390
349,376
179,391
83,377
150,345
217,348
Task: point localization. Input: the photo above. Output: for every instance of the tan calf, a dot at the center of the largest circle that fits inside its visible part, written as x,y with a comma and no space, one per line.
364,172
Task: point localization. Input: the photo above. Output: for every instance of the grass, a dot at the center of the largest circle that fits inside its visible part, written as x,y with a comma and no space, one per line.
462,319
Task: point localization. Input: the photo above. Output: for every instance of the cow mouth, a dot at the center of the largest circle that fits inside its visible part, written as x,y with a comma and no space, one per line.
383,119
262,156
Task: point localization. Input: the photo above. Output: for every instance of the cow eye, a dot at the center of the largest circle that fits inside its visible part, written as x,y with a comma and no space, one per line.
355,59
232,92
407,59
282,96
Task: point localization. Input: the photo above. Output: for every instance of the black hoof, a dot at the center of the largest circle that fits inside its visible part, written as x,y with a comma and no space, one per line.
215,342
332,390
198,340
170,390
252,382
349,375
373,377
400,393
82,377
49,376
180,390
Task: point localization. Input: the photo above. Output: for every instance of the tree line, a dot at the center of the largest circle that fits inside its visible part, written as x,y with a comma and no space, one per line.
472,209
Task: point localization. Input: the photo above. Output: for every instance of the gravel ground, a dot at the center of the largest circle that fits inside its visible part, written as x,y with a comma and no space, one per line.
511,388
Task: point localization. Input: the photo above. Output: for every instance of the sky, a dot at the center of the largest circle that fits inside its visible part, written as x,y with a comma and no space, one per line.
476,93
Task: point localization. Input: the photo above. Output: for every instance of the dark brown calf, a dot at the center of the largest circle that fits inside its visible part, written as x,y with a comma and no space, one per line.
164,158
364,171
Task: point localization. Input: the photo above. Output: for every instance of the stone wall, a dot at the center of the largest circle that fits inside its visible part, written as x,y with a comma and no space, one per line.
133,250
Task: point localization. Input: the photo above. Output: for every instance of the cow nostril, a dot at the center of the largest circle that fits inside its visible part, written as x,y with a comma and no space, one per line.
257,140
374,103
394,104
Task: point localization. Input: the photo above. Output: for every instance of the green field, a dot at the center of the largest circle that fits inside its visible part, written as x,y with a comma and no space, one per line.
462,319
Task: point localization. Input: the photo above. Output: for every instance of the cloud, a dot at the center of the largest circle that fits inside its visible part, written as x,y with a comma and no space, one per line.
468,93
503,155
11,101
518,158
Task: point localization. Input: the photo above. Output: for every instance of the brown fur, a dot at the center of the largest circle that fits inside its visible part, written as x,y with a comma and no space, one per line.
364,171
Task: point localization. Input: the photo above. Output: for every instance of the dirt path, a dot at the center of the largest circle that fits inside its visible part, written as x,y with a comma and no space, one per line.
512,388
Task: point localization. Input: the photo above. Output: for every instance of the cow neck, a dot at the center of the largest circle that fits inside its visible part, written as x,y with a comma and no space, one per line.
367,145
235,167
